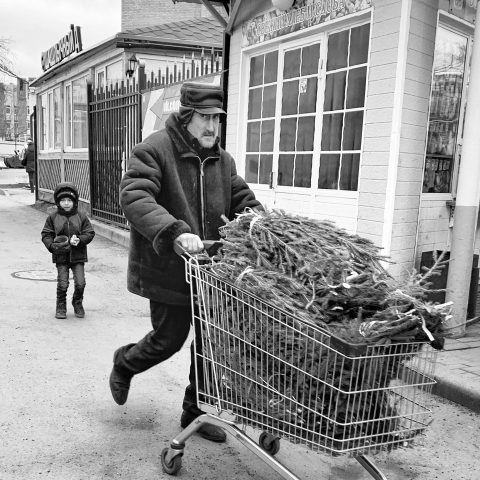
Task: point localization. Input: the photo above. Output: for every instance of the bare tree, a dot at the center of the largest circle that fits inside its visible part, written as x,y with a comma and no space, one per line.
5,62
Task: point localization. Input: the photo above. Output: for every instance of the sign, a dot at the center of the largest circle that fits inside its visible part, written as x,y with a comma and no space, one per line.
465,9
304,14
70,43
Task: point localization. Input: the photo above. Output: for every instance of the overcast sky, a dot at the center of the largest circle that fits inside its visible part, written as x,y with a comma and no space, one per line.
33,26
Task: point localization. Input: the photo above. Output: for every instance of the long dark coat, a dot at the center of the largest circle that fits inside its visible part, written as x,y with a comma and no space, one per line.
29,158
168,190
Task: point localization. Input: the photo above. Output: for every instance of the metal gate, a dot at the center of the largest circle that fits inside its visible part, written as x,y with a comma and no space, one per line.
115,117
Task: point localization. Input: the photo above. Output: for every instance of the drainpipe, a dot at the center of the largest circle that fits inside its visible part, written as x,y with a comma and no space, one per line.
466,204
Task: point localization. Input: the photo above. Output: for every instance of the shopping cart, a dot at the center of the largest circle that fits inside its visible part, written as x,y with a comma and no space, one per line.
261,369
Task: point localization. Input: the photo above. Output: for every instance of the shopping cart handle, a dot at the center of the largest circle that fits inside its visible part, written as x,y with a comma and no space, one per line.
210,247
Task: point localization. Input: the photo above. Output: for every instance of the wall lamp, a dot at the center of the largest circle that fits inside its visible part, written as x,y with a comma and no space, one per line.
131,66
283,4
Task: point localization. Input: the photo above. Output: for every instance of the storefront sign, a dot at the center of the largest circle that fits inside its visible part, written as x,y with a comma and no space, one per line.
70,43
304,14
465,9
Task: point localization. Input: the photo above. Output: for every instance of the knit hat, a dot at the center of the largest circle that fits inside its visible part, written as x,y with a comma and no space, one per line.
202,97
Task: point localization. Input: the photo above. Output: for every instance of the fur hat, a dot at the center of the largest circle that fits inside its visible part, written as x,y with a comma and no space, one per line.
65,189
67,194
202,97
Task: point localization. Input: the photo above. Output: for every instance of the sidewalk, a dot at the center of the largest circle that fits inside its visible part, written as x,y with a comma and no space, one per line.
458,365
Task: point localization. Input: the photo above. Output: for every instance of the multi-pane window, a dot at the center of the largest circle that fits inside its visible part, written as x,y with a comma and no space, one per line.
261,117
297,125
343,108
285,112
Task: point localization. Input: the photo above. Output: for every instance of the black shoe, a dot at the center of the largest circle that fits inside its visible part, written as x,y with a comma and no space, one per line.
78,309
119,385
207,431
61,311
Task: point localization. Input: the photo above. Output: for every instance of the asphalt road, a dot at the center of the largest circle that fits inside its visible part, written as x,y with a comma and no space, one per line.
59,422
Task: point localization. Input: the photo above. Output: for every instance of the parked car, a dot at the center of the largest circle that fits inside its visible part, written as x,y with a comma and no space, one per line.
13,161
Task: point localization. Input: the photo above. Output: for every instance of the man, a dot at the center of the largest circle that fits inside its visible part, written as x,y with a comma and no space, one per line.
28,161
178,184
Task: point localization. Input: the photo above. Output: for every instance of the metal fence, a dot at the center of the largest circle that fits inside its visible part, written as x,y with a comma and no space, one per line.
114,114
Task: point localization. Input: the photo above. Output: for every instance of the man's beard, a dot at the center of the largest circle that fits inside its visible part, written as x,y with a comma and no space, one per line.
207,141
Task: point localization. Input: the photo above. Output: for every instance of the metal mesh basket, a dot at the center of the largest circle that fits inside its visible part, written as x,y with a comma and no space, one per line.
274,372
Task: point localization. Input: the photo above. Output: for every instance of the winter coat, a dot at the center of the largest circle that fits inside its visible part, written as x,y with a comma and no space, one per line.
29,158
68,224
168,190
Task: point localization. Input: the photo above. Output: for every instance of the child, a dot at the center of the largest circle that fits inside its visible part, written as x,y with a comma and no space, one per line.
66,234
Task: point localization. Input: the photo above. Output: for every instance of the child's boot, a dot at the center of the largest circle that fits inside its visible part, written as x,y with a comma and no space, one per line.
77,303
61,311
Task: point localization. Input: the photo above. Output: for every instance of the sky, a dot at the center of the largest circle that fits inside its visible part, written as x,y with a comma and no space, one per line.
33,26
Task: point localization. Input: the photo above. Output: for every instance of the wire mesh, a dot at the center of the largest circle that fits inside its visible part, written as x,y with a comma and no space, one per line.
276,373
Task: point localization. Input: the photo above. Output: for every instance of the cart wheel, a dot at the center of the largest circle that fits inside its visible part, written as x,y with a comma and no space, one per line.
269,443
175,464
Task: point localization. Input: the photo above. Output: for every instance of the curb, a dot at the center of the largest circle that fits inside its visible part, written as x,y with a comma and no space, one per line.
456,393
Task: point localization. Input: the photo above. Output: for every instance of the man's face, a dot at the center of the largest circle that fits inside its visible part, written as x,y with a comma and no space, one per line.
204,128
66,203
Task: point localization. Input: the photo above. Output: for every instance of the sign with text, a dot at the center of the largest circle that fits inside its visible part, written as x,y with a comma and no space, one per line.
70,43
465,9
305,14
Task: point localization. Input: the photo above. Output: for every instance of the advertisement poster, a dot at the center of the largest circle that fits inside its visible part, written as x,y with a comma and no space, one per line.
158,104
304,14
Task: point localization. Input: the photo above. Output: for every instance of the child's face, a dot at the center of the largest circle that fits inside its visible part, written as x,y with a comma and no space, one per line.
66,203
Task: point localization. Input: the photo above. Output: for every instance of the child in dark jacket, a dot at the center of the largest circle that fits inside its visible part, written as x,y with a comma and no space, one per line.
66,234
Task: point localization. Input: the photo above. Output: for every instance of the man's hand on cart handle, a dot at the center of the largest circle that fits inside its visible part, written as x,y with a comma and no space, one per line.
188,243
210,247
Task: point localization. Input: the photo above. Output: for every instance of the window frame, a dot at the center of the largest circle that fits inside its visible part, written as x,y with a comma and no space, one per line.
461,28
48,120
69,125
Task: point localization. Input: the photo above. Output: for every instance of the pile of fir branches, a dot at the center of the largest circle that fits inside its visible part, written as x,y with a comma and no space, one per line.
322,279
328,277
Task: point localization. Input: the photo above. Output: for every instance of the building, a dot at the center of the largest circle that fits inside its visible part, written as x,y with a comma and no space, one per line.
354,111
14,120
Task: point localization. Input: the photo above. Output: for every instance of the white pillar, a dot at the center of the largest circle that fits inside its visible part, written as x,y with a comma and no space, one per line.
468,196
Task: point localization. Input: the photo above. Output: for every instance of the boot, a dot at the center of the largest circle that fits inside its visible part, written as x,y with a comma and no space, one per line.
61,310
77,303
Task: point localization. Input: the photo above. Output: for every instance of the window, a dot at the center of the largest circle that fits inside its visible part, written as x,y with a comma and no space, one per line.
261,117
43,120
283,131
100,79
444,116
114,73
343,108
76,112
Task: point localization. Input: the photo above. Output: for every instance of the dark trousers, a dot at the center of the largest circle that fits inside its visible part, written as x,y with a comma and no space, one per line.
31,181
171,324
78,271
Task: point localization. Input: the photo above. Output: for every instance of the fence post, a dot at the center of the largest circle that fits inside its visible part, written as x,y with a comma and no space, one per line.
142,78
91,168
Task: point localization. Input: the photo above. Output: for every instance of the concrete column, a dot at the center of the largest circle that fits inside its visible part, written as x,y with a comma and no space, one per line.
468,196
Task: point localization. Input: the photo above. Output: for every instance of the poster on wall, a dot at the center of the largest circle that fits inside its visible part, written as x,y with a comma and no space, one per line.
158,104
304,14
